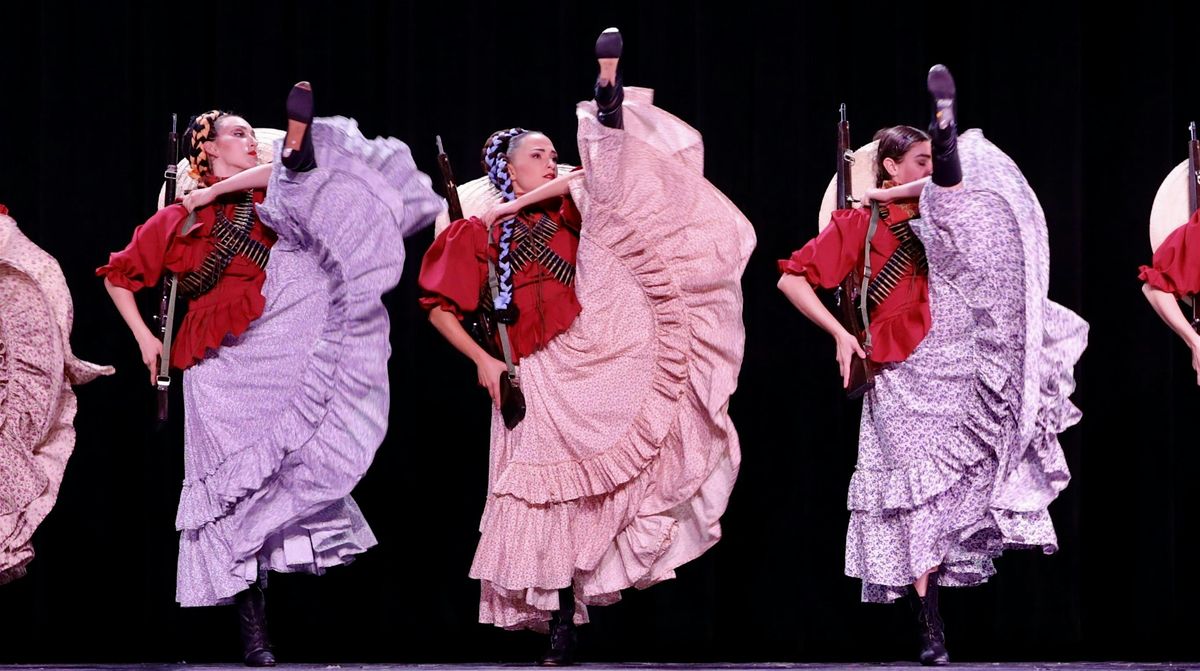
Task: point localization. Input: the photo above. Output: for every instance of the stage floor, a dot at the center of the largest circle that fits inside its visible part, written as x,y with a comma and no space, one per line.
1029,666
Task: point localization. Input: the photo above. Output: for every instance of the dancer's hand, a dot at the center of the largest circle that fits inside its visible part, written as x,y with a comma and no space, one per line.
498,213
151,348
847,347
198,198
489,370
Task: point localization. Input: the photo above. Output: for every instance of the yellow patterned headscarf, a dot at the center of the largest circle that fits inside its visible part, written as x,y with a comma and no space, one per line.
201,129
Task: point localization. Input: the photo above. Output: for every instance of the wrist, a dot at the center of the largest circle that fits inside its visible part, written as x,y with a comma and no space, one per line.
480,357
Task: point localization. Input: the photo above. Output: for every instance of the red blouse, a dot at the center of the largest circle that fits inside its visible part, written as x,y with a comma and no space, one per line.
159,244
454,274
1175,267
900,322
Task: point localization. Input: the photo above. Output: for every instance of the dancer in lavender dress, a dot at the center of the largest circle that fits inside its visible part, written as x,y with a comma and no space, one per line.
284,411
958,447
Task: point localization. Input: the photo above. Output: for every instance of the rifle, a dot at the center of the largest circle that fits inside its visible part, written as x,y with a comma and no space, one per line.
453,205
481,324
851,296
166,307
1194,199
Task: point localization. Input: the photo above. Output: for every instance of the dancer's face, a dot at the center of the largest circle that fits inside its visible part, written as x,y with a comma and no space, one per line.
532,162
916,163
234,149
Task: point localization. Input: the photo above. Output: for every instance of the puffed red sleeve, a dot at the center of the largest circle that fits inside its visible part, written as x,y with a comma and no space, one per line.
454,268
827,259
142,261
1175,267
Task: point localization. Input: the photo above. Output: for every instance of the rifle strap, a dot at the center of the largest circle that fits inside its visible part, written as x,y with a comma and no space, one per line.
866,280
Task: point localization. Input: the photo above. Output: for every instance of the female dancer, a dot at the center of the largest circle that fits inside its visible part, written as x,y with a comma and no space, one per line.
285,344
625,458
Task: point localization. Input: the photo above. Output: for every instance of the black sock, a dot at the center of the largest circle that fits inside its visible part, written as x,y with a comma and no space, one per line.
943,128
609,100
304,158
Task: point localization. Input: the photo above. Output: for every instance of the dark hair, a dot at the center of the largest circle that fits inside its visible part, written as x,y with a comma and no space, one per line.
894,143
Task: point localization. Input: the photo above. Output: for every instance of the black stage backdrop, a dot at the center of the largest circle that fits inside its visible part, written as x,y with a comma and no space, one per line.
1092,105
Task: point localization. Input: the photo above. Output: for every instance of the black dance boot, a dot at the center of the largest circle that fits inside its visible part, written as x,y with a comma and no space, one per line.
298,154
933,637
562,632
609,92
252,617
943,129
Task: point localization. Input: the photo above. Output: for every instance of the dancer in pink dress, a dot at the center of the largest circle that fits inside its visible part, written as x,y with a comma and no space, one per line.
37,405
626,456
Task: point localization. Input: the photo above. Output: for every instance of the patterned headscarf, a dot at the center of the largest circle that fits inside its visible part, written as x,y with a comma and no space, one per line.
202,128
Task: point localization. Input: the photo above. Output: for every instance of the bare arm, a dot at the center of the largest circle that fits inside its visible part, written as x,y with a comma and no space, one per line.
804,297
559,186
801,294
1168,310
150,346
909,190
255,178
488,367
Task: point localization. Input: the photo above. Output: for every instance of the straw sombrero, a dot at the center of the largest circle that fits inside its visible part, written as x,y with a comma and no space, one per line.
862,177
1170,209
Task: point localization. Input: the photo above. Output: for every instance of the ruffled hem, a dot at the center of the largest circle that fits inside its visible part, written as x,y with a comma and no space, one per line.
605,543
909,487
791,266
212,568
896,338
1158,280
206,326
119,271
950,531
958,533
645,551
430,301
966,557
569,537
527,608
